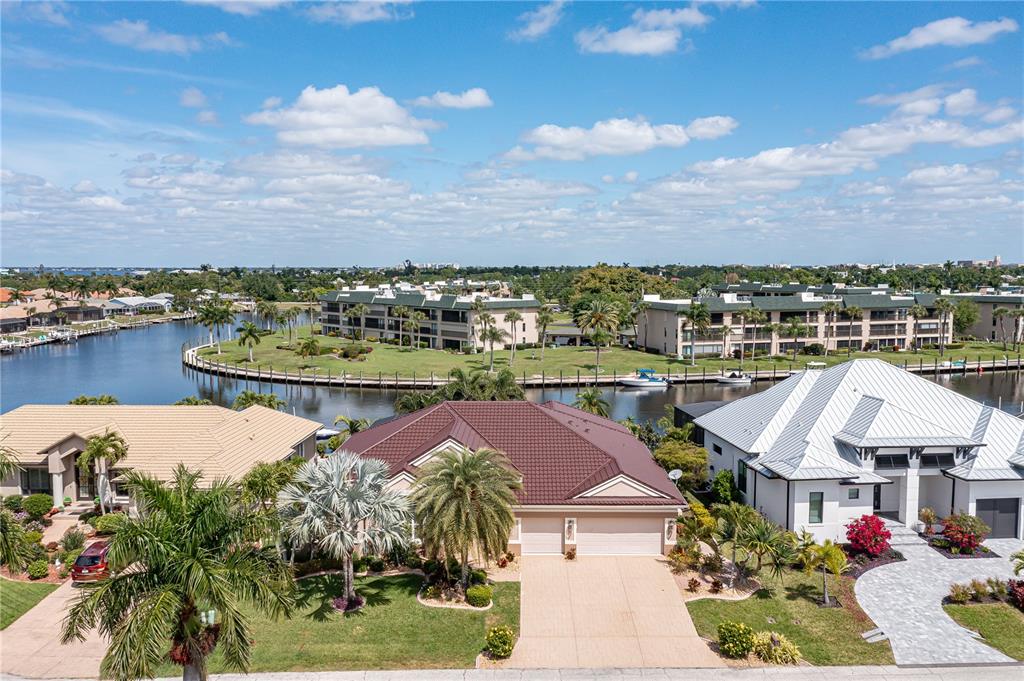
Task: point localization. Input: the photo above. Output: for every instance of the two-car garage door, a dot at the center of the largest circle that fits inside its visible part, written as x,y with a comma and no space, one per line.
595,535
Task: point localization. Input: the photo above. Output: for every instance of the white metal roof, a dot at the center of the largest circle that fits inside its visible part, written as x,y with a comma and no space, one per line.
811,425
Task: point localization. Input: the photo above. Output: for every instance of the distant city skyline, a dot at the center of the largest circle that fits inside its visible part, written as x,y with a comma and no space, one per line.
304,134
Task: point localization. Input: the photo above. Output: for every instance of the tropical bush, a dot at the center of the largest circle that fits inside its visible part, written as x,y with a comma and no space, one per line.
32,537
965,532
735,639
478,577
13,503
774,648
959,594
376,564
687,457
73,539
997,588
500,641
701,512
816,349
723,488
570,553
693,585
37,505
478,596
928,517
1015,589
108,524
979,590
868,534
38,569
413,561
432,592
716,586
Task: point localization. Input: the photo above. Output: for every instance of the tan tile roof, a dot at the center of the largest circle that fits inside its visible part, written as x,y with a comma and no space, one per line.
218,441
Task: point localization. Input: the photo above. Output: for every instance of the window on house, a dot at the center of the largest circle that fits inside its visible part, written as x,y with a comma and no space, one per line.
717,449
853,493
891,461
937,461
817,507
741,476
35,481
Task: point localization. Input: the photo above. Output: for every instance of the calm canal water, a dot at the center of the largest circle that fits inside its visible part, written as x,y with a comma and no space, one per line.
143,366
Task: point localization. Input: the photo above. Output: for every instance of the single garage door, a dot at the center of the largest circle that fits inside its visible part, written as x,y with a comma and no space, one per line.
1001,515
624,535
542,534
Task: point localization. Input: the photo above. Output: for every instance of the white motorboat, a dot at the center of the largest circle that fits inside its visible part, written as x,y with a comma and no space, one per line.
644,378
735,377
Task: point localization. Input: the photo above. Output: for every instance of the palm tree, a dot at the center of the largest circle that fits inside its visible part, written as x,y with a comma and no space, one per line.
742,316
351,426
1018,562
478,308
8,463
309,347
918,312
795,328
492,335
82,290
414,400
266,311
249,398
699,319
262,485
94,399
291,314
1000,314
502,387
853,313
400,311
341,503
213,315
830,558
761,538
732,520
14,550
726,334
591,400
464,501
512,317
945,309
101,453
311,296
189,550
359,311
545,318
600,315
754,316
1018,322
464,385
830,310
192,401
417,318
248,335
642,308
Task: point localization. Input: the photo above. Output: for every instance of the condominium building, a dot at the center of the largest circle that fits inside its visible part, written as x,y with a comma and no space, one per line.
885,321
991,326
448,322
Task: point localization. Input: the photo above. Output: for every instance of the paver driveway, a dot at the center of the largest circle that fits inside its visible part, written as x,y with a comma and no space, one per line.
604,611
905,601
31,646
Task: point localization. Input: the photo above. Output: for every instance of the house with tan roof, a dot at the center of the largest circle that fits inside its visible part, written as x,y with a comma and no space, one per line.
587,482
47,439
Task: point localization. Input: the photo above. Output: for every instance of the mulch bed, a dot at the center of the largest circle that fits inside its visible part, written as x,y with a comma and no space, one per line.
982,552
862,562
52,578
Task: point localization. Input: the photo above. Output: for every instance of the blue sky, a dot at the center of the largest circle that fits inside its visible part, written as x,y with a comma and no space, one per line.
537,133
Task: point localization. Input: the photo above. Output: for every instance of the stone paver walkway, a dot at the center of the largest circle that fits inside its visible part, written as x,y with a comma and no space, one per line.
31,646
905,600
604,611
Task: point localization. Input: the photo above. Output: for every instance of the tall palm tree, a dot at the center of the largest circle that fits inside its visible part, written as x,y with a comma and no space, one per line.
1018,322
830,310
400,311
918,312
945,309
82,290
830,558
726,335
248,335
698,317
351,426
492,335
642,308
249,398
341,503
545,318
311,297
102,453
755,316
213,316
600,315
742,316
190,549
512,317
267,311
795,329
463,502
591,400
1000,314
417,318
465,385
853,313
478,308
359,311
292,315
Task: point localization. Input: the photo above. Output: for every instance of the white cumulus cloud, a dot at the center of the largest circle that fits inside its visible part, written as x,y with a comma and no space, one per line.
359,11
651,32
337,118
245,8
474,98
539,22
139,36
951,32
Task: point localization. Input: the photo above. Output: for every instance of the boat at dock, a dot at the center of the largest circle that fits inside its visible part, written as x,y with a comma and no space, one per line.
645,378
735,377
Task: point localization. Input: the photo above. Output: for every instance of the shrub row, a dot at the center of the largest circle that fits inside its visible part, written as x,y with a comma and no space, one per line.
737,640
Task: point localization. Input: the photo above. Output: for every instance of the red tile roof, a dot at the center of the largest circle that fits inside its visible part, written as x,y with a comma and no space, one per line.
560,451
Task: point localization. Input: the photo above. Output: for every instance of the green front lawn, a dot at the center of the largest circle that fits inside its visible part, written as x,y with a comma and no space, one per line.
17,598
389,359
825,636
393,631
1001,624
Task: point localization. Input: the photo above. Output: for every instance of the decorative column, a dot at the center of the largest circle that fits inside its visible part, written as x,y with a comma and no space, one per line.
57,485
909,495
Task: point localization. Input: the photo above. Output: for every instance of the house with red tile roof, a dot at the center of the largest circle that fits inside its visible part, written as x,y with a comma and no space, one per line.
587,482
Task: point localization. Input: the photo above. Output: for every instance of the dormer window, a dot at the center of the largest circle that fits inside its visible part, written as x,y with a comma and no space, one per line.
937,461
891,461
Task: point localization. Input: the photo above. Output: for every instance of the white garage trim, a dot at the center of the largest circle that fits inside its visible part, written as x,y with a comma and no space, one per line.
617,536
541,535
639,488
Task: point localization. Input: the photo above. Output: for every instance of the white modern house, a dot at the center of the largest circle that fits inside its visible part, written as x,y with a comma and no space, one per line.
824,447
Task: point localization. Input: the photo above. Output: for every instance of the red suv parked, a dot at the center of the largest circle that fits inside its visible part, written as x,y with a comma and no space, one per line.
91,565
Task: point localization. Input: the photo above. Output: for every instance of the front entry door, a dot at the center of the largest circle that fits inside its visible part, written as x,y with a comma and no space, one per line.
876,499
85,481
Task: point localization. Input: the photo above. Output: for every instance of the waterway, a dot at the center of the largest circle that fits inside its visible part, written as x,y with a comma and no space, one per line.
143,366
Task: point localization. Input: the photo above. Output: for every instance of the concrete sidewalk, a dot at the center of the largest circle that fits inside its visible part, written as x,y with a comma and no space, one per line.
967,673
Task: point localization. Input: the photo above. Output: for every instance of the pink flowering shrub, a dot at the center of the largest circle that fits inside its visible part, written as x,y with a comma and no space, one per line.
869,535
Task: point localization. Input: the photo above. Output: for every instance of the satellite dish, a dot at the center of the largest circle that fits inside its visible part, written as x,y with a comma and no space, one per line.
675,474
